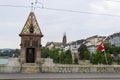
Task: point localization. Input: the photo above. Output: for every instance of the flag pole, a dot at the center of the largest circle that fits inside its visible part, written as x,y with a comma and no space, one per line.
105,52
106,57
101,48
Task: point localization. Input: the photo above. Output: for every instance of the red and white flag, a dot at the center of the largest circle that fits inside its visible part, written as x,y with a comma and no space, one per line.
101,47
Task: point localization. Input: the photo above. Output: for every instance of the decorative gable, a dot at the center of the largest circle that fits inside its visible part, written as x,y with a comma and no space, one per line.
31,26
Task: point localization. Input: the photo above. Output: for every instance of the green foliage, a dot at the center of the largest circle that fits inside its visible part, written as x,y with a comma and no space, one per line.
99,58
112,50
44,52
65,57
54,54
68,58
108,47
16,52
9,53
58,56
6,52
86,55
76,60
62,57
115,50
118,61
81,51
94,59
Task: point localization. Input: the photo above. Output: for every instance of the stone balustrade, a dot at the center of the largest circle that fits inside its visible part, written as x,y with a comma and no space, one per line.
13,66
59,68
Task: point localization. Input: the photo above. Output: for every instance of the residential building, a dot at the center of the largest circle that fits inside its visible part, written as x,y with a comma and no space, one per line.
93,42
114,39
73,47
61,45
51,45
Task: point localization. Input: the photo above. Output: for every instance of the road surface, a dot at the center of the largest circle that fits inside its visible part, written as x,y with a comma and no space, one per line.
61,76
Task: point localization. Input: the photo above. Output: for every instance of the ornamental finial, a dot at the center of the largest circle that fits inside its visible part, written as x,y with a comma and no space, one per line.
31,7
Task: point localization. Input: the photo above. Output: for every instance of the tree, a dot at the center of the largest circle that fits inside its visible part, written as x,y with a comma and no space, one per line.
54,54
44,52
112,49
68,57
115,51
99,58
62,57
109,58
65,57
108,47
94,59
16,52
58,56
9,53
81,51
86,55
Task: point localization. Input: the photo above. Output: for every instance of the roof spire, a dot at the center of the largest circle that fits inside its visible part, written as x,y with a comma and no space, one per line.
64,39
32,7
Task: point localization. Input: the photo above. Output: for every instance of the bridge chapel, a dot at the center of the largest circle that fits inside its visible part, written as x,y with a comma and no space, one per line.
30,41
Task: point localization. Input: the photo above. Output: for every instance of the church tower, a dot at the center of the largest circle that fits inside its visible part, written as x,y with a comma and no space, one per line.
30,41
64,41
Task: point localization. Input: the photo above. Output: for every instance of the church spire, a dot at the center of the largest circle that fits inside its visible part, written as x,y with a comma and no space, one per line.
64,41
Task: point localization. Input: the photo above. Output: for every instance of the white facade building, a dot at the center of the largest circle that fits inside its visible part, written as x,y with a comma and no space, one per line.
114,39
93,42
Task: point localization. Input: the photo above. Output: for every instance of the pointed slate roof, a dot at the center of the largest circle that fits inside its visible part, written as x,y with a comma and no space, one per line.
31,23
64,41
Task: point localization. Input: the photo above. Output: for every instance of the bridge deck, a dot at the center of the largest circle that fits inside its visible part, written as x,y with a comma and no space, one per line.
60,76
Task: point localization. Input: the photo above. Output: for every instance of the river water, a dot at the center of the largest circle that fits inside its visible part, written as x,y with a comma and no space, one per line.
3,61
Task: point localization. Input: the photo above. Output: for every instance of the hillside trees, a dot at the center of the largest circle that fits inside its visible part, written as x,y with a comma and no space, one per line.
10,53
58,56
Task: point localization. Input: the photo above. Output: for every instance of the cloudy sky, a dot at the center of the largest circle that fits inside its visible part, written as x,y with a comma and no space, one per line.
88,18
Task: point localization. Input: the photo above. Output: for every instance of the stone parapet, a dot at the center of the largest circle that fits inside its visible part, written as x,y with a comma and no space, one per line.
13,66
58,68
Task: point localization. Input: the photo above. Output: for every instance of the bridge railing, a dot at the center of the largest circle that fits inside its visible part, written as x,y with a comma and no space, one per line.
59,68
82,69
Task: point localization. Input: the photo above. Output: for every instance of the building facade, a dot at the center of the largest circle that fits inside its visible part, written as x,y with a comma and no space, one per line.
93,41
30,41
51,45
114,39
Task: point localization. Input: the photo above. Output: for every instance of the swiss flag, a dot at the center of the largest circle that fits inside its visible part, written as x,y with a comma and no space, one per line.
101,47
